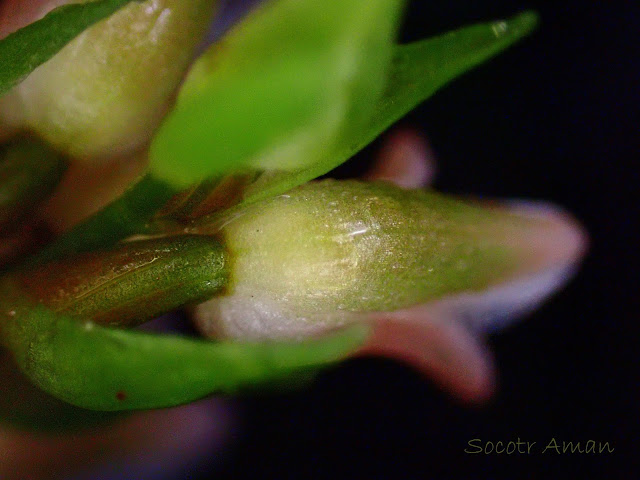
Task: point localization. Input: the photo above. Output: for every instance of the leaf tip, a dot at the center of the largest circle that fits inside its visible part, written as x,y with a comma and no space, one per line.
517,26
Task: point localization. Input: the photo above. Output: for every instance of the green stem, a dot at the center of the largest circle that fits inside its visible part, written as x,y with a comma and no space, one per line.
131,283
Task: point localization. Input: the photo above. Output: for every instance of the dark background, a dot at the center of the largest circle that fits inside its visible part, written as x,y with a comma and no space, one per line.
554,118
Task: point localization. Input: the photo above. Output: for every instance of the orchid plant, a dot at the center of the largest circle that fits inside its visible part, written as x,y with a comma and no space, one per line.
282,274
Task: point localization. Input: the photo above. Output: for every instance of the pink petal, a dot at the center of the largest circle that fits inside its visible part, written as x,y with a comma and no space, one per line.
444,350
406,159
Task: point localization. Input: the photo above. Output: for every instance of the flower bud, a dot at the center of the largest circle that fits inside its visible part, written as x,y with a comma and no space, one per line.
331,252
106,91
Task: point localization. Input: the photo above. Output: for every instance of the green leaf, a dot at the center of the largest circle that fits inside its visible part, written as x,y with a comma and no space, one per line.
24,50
283,72
418,70
288,80
102,368
421,68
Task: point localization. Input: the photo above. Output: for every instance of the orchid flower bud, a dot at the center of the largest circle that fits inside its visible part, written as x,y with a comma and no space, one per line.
333,252
96,97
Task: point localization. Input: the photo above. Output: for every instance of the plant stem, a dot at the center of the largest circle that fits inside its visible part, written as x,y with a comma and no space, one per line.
132,282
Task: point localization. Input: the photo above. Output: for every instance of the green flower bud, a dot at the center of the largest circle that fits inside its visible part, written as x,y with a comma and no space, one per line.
107,90
330,252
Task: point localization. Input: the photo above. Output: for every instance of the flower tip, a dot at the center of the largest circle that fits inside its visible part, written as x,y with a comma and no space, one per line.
550,245
443,338
556,239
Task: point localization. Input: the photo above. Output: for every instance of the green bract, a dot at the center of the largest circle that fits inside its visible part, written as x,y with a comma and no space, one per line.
110,369
291,92
416,72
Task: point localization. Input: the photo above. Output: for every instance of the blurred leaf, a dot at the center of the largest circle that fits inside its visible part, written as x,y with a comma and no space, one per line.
102,368
285,83
283,72
418,70
25,49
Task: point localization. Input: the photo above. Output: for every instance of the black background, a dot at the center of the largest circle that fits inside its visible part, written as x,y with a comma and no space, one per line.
554,118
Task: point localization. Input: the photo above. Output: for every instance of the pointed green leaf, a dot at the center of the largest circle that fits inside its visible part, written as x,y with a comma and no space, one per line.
418,70
24,50
287,81
102,368
283,72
